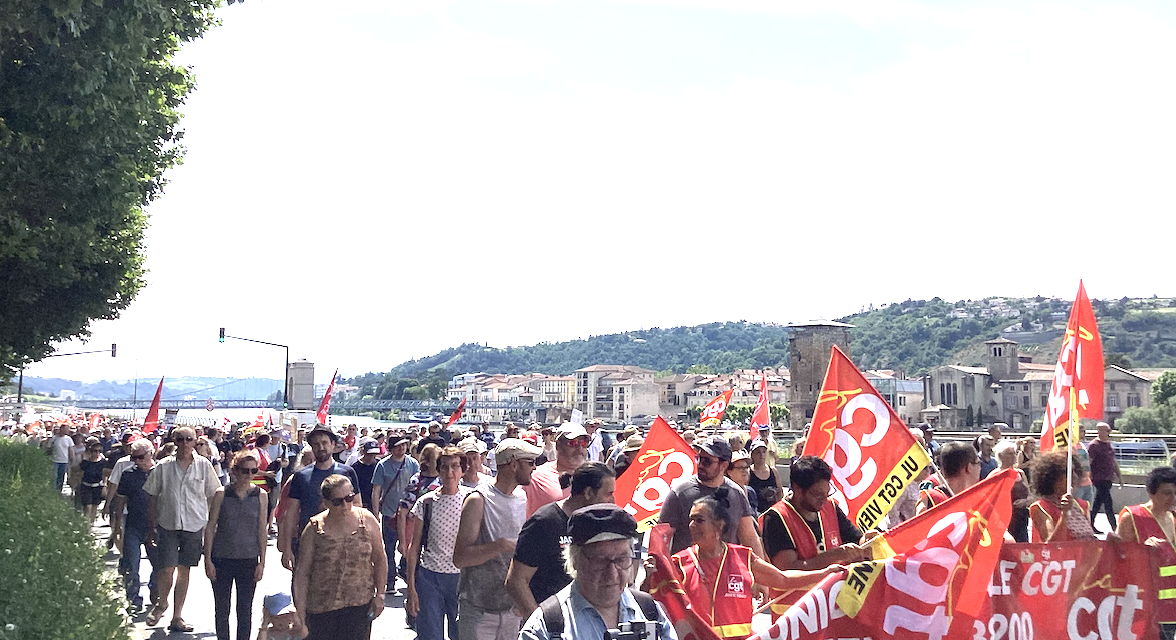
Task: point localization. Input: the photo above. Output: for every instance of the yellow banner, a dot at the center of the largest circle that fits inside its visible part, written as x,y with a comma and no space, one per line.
899,478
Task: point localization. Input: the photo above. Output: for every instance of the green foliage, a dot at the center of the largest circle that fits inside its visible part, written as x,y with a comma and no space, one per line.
1142,420
56,586
1164,388
716,347
89,119
701,369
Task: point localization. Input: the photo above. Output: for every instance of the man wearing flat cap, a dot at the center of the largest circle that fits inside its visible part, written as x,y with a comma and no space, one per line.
600,559
713,454
491,518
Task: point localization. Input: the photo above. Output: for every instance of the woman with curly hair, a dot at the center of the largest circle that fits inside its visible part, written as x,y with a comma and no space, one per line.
1058,516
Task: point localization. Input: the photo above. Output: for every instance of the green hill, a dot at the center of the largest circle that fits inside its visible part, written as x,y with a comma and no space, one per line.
718,346
919,334
914,336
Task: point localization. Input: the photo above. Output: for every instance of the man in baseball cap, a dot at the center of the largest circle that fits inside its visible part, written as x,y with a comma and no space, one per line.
601,557
491,518
571,450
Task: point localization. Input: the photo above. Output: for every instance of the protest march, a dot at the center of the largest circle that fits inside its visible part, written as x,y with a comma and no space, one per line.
674,532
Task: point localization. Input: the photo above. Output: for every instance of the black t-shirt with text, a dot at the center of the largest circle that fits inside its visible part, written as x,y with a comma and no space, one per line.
539,546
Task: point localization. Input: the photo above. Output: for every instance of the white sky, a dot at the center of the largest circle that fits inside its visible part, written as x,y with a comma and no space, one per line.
373,181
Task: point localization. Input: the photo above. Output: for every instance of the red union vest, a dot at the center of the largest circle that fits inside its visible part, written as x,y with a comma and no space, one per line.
728,608
1053,512
803,541
1146,526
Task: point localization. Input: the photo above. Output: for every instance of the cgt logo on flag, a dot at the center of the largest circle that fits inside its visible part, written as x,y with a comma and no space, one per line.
664,459
712,414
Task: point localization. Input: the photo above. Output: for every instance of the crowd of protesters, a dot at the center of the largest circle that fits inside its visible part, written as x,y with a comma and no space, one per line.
518,536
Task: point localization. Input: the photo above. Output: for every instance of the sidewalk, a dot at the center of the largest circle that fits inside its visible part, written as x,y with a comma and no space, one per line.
198,611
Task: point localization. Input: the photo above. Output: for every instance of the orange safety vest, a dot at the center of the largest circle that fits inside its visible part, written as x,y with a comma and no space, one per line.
1053,512
1146,526
730,599
804,542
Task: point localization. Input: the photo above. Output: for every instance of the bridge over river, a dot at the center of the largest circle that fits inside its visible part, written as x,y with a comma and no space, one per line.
428,406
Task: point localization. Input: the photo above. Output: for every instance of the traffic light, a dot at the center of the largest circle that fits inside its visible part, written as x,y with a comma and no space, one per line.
222,334
114,351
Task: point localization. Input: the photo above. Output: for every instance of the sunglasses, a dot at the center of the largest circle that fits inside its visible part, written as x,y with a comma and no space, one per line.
184,439
706,461
247,470
741,467
139,456
338,502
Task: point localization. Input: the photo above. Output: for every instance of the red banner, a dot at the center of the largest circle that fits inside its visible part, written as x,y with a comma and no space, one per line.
1058,591
1077,390
456,414
664,459
151,423
325,406
873,454
761,417
931,566
712,413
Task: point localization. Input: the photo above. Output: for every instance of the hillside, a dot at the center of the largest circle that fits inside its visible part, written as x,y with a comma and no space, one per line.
914,336
919,334
720,346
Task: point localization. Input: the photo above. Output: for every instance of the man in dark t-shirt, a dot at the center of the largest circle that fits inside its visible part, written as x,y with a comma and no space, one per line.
364,469
537,570
305,493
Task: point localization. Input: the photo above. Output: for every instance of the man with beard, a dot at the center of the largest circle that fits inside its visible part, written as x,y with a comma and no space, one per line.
491,518
714,456
571,450
305,495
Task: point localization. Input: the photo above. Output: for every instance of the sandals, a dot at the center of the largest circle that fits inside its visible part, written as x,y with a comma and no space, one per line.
178,624
154,616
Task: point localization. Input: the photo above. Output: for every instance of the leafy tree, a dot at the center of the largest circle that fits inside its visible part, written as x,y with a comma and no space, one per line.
89,101
1163,388
969,417
700,368
1141,420
1117,359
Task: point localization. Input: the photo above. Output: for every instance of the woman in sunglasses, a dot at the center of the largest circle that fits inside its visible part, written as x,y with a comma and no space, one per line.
234,543
341,573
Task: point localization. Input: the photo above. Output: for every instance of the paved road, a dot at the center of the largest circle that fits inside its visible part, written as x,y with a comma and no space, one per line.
199,610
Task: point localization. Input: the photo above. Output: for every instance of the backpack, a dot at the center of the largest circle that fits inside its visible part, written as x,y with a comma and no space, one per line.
553,614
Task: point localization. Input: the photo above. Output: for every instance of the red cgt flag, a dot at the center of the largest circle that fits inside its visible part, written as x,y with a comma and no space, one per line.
325,405
873,454
761,417
1077,390
151,423
932,566
664,459
456,414
712,414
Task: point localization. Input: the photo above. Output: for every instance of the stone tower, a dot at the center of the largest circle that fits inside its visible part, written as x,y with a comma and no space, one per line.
1002,360
301,385
809,345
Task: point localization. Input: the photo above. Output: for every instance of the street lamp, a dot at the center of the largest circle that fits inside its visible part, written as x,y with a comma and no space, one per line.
20,384
285,378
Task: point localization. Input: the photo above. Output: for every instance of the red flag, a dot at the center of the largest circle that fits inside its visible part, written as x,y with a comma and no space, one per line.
456,414
761,417
152,421
325,405
1077,390
933,565
873,454
712,414
261,420
666,589
664,459
95,419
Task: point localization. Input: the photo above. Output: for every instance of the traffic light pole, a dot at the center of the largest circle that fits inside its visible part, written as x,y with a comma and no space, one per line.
285,378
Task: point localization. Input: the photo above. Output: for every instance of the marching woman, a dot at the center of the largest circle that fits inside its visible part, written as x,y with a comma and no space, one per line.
1058,516
234,544
717,576
1153,524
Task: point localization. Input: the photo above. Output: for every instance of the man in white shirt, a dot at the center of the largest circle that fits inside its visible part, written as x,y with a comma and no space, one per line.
59,448
179,490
